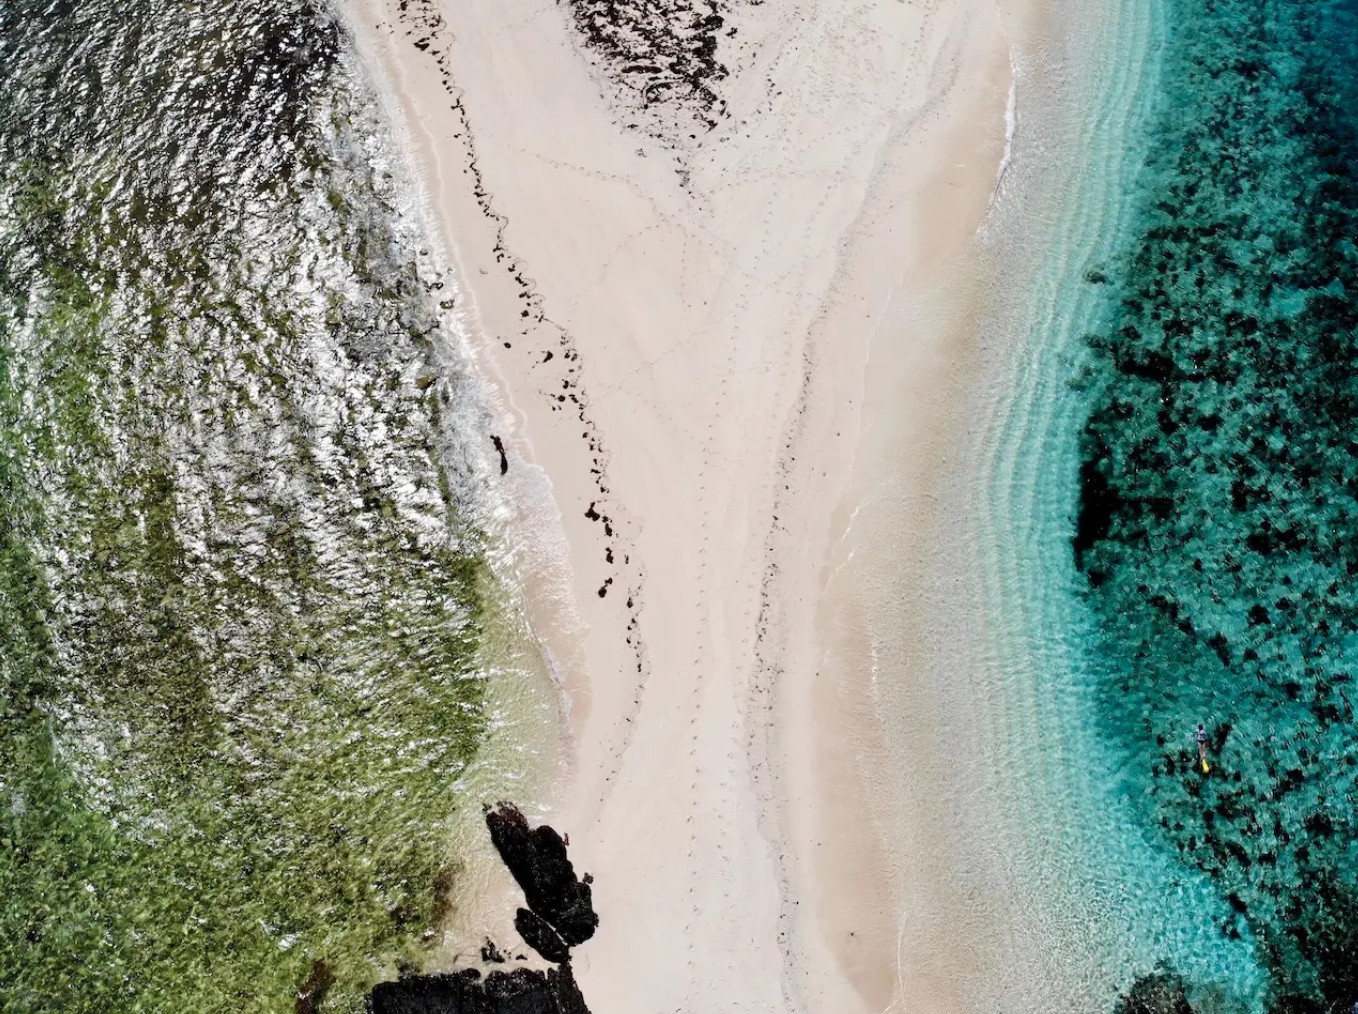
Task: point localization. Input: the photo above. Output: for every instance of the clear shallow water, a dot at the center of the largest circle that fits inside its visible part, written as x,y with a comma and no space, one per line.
1208,416
1100,899
1219,476
242,571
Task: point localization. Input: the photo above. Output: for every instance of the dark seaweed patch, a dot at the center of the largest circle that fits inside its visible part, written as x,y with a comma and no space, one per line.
662,58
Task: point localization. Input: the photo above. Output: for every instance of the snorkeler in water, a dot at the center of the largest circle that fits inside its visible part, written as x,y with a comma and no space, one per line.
1201,737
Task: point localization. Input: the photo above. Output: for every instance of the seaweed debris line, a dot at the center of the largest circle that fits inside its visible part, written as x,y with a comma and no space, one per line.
560,915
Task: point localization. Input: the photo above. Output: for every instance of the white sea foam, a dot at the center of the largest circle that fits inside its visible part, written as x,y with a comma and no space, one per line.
1010,128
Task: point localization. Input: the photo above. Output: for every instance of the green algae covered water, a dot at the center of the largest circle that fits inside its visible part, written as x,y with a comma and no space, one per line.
241,570
1169,532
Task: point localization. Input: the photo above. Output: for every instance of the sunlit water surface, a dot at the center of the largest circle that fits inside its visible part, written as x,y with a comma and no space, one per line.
244,593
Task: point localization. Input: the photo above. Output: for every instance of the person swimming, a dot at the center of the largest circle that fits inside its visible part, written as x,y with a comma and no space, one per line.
1201,737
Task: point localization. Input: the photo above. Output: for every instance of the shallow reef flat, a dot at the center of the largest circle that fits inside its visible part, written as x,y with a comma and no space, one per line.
241,573
1220,484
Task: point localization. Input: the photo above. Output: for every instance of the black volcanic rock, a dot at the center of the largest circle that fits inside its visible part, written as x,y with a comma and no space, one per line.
536,857
560,915
521,991
538,934
492,954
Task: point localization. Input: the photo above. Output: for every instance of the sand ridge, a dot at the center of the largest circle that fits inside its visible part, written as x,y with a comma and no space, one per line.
679,328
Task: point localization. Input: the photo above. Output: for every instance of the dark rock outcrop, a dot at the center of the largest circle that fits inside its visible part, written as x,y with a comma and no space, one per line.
536,857
518,992
560,916
538,934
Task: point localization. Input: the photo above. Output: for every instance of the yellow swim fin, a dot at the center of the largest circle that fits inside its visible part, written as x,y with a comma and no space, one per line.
1206,767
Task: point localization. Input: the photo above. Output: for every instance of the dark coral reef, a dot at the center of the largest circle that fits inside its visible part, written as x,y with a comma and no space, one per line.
1161,992
1219,507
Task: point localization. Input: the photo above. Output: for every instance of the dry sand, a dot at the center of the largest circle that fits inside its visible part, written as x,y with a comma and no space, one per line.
680,331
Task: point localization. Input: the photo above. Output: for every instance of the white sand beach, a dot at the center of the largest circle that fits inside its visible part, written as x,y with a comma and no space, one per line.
680,330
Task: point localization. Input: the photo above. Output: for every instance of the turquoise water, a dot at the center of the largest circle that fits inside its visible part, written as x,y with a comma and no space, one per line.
1174,479
241,577
1108,901
1219,476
